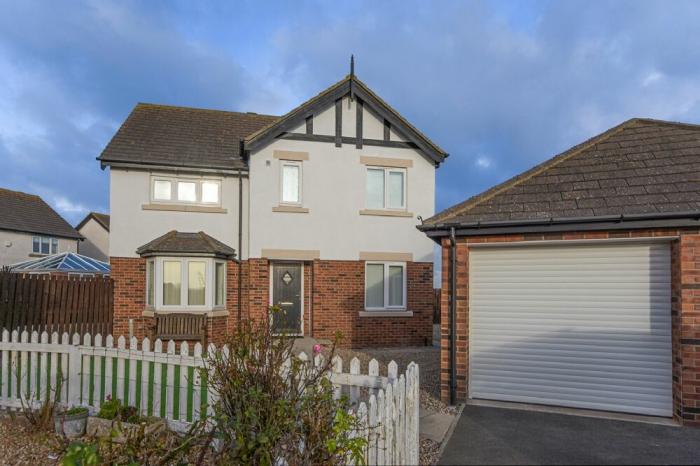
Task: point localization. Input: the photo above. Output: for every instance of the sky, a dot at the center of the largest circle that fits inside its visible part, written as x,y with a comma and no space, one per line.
500,85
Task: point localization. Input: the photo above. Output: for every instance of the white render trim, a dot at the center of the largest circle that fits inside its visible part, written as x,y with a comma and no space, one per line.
386,256
290,155
388,162
639,239
184,208
214,313
291,254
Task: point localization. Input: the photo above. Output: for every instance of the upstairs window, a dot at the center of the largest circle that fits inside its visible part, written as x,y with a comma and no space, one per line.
44,245
386,188
186,191
290,182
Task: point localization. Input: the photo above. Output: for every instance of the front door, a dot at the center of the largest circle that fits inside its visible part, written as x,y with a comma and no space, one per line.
286,294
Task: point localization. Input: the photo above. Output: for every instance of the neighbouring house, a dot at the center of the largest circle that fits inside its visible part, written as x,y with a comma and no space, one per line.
64,263
30,228
223,214
95,229
577,283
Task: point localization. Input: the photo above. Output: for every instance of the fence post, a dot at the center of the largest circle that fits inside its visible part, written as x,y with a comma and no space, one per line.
74,372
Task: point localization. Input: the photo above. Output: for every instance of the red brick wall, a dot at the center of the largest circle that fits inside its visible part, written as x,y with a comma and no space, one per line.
333,300
339,288
129,275
685,310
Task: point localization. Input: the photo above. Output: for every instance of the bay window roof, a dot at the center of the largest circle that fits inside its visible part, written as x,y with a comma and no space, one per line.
182,243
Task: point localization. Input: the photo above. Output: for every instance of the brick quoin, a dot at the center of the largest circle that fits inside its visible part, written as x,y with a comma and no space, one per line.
685,310
333,300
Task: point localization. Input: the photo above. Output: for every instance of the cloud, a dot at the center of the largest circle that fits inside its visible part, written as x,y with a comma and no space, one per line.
482,161
519,81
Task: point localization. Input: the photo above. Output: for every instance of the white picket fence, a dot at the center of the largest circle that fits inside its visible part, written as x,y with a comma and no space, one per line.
167,384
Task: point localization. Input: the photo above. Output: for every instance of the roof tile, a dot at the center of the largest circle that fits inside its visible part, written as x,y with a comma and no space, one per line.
639,167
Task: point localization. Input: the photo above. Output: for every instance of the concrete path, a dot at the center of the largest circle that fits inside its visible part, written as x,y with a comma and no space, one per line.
486,435
434,425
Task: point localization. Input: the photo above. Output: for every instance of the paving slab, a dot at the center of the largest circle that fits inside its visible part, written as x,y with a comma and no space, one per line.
434,425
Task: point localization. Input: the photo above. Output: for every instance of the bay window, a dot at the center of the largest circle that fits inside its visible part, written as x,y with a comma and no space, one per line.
185,191
185,283
386,188
385,285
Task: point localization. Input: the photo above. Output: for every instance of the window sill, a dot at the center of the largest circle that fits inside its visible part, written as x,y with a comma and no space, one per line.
290,209
386,313
38,254
210,313
386,213
184,208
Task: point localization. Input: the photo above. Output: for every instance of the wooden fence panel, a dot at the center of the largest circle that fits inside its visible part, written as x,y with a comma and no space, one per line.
55,303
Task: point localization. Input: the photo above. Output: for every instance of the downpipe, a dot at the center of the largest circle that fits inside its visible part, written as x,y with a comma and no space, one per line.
453,318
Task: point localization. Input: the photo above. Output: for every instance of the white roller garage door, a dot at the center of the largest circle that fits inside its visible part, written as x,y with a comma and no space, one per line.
579,325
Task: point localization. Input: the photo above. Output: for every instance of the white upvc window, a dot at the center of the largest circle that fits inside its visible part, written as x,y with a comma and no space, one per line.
44,245
186,190
290,182
185,283
386,188
385,285
150,282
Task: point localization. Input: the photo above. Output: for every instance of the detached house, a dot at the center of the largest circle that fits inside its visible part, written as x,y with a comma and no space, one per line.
223,214
30,228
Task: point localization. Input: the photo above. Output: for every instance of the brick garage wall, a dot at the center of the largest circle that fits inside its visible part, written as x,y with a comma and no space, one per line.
685,310
129,275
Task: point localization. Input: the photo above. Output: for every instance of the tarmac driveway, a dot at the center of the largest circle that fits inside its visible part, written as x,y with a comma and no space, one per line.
486,435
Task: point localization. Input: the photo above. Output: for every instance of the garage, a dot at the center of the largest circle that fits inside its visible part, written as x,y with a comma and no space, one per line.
582,324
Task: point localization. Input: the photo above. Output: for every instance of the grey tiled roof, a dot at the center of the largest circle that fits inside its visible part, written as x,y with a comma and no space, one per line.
642,166
29,213
183,137
102,219
175,242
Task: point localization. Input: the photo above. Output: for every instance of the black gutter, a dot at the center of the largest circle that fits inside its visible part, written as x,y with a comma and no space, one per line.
453,319
553,224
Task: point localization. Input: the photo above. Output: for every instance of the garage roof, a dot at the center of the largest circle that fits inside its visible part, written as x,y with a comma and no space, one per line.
641,168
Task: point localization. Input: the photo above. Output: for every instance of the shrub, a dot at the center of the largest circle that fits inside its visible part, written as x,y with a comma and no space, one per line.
75,410
274,406
113,409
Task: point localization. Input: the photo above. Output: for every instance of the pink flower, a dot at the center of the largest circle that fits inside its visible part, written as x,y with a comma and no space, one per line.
317,348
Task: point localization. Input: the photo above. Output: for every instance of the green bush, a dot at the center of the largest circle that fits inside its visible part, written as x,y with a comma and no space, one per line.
113,409
81,454
269,409
75,410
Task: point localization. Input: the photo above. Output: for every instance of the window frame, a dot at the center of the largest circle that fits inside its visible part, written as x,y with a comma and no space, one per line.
300,182
214,284
387,172
404,295
51,241
209,285
151,282
174,187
